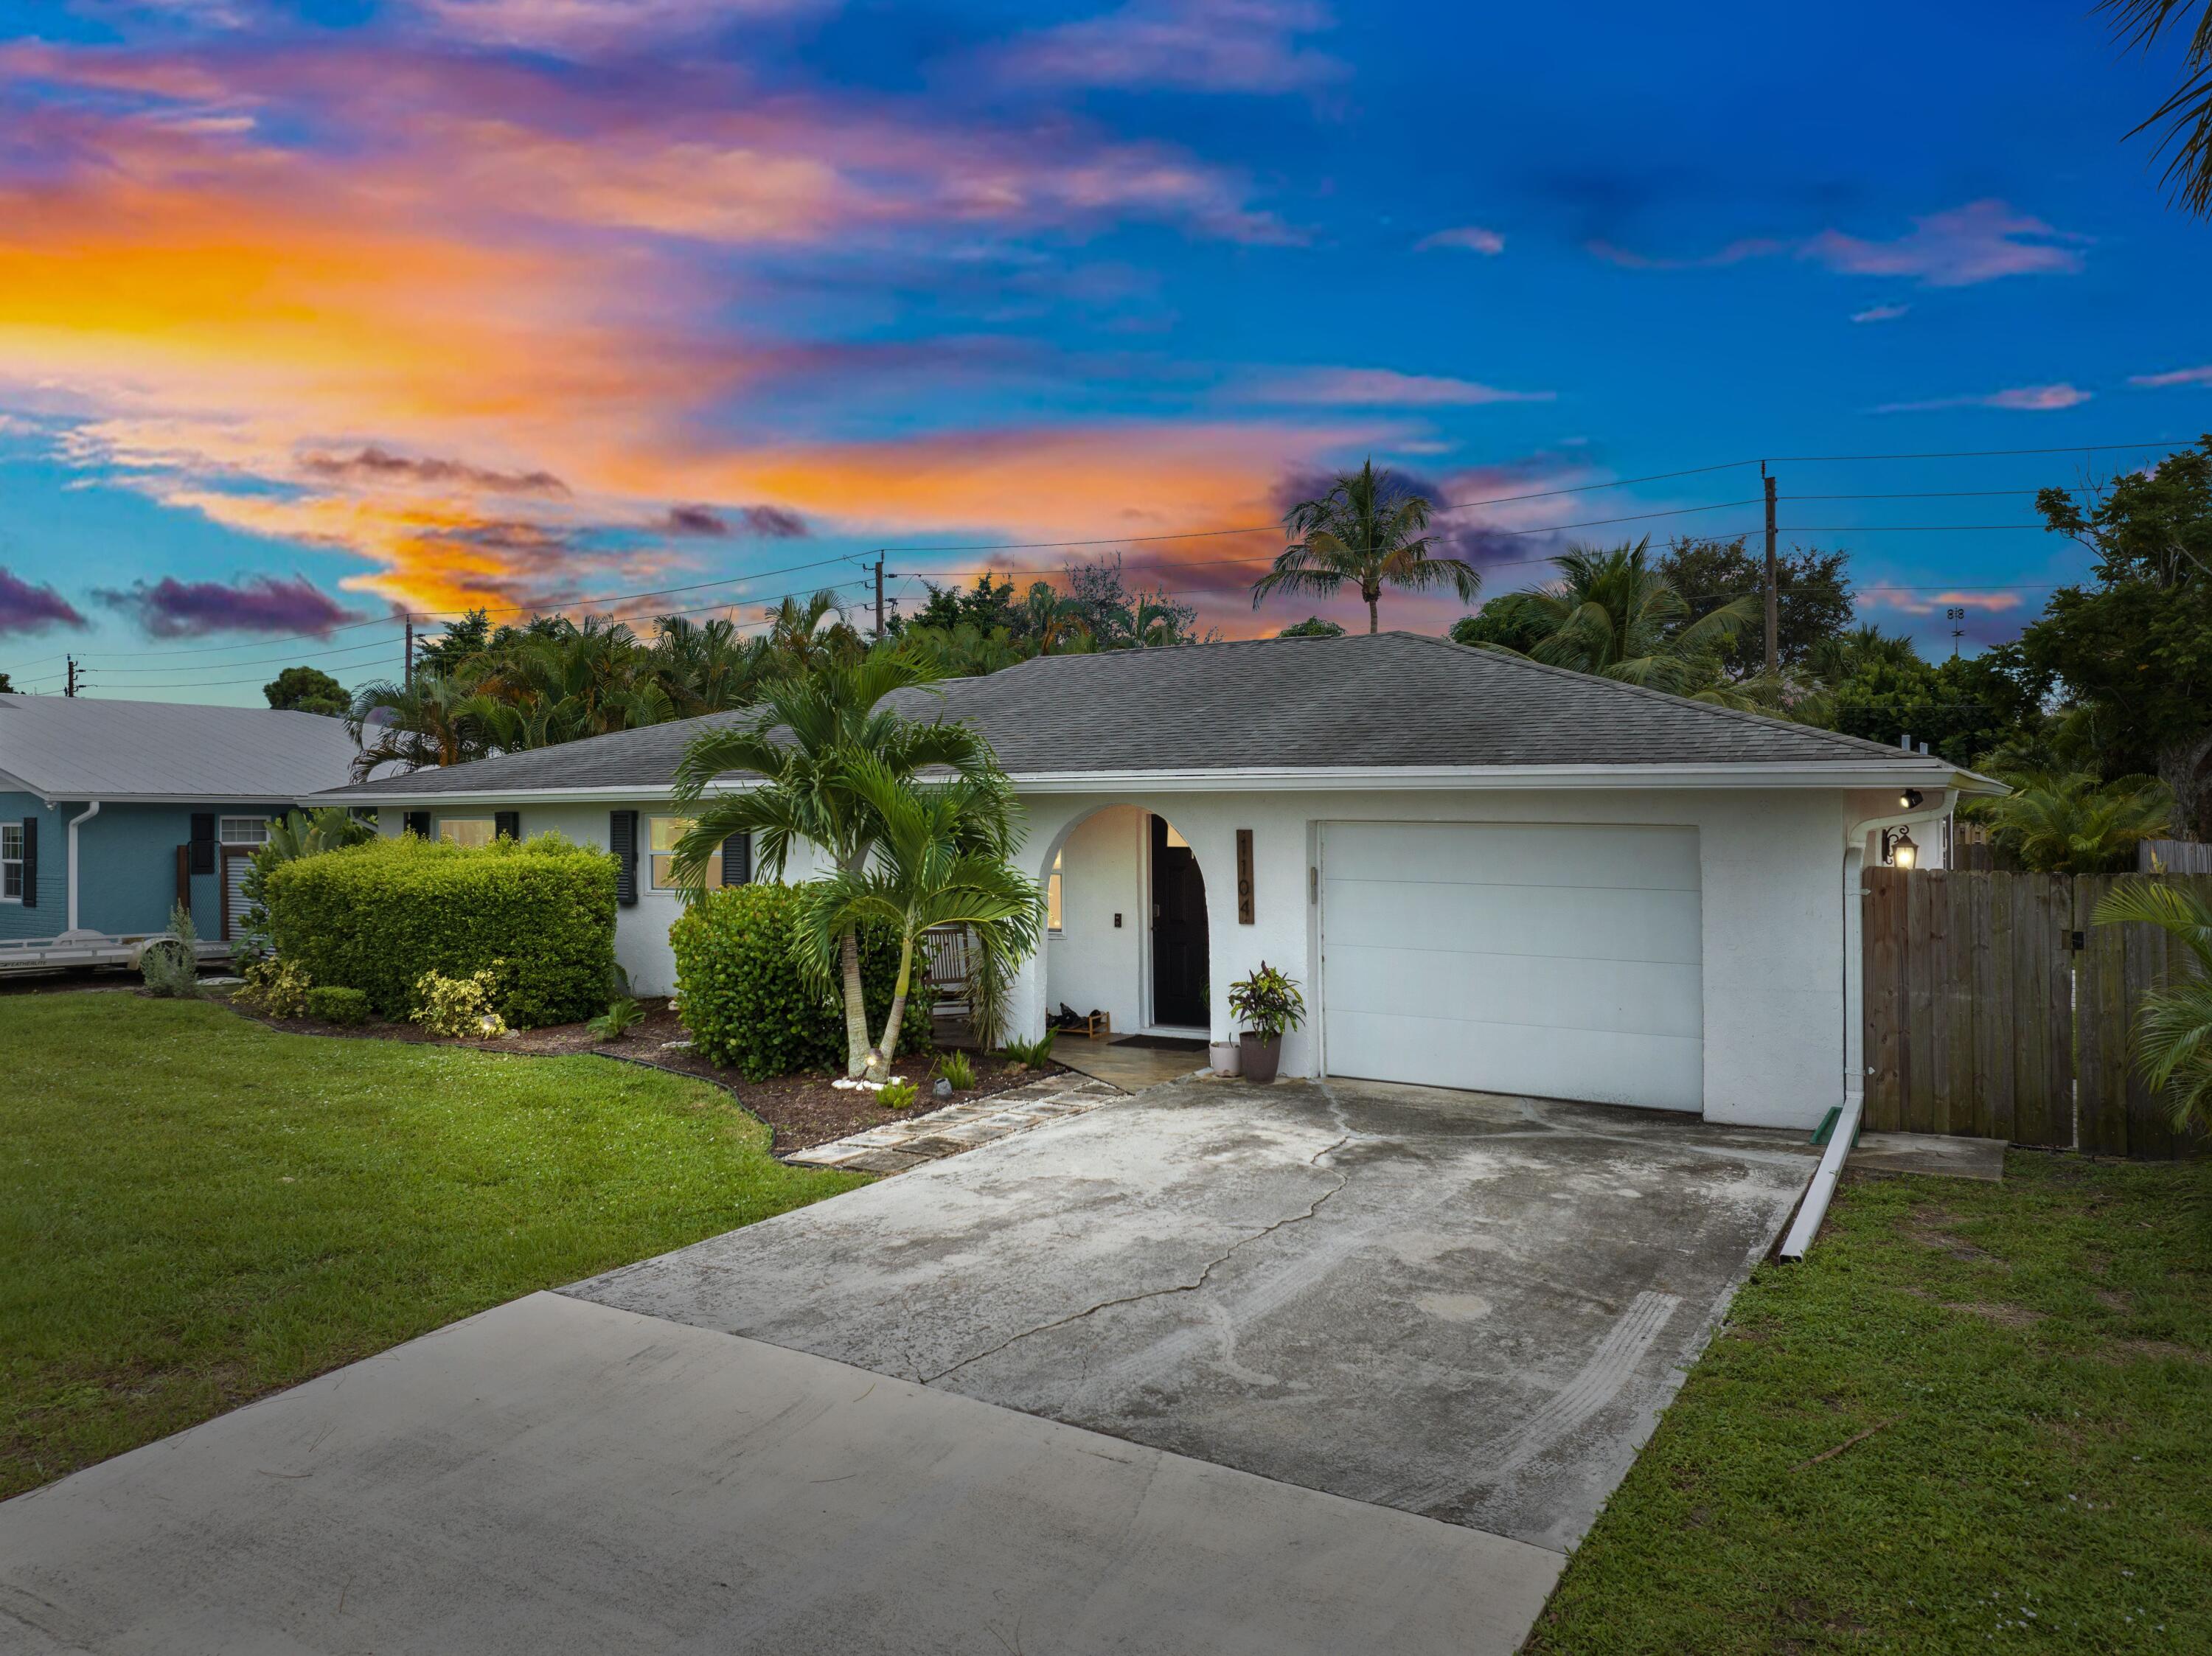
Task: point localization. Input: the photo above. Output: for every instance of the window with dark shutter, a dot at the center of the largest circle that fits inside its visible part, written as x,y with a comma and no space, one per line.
621,839
417,822
203,842
509,822
30,862
737,859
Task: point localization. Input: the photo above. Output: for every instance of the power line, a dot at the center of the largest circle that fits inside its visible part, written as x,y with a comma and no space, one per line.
291,657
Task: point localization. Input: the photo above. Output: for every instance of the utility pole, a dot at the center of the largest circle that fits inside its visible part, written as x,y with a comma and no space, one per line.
1773,594
879,597
407,676
69,684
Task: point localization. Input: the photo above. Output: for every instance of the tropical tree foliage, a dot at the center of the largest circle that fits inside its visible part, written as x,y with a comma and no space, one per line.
1814,601
2173,1022
1370,530
1312,627
2072,822
2187,112
965,634
939,857
308,690
815,738
1614,614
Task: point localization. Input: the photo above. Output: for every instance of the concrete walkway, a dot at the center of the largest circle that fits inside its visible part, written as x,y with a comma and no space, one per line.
556,1476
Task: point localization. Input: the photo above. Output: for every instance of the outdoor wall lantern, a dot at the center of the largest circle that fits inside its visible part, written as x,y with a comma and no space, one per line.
1898,849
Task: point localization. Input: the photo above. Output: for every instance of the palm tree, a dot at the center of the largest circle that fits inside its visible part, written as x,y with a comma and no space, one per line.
811,732
436,720
1366,530
2173,1022
2188,112
706,667
939,858
805,635
1842,656
2074,823
1614,615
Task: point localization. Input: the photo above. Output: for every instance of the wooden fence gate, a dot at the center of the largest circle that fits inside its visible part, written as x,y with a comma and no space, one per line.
1995,1008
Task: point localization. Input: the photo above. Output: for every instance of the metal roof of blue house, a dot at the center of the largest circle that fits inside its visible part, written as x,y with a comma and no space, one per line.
83,747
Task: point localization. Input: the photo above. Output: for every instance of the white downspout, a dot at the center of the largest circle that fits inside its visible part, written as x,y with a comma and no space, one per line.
91,810
1815,1208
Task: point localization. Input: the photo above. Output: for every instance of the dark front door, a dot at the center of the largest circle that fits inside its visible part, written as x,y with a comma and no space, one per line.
1179,963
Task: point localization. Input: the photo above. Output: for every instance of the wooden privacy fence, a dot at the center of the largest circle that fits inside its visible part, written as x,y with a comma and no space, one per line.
1995,1008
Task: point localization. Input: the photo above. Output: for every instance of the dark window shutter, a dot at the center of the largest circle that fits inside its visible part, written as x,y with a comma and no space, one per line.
621,839
203,842
509,822
30,862
737,860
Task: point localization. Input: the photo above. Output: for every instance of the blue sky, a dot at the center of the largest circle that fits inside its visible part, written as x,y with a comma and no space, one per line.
312,315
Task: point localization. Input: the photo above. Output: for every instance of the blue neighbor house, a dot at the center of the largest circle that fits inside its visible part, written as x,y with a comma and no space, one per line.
112,812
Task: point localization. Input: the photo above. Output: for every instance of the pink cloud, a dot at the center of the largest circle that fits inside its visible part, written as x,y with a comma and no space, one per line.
2177,376
592,27
1913,601
1385,388
25,609
259,604
1979,242
1208,45
2031,399
1470,238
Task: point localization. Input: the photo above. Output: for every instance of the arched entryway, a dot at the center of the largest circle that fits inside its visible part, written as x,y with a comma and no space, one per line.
1129,932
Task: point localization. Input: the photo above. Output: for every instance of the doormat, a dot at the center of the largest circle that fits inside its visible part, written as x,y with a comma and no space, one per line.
1162,1043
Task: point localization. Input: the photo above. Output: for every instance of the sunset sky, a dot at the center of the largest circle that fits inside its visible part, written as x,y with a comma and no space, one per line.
312,313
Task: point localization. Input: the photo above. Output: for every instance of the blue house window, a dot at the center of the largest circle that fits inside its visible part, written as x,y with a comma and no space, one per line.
11,863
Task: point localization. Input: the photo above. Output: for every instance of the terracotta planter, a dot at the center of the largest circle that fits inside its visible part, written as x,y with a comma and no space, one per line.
1259,1055
1222,1055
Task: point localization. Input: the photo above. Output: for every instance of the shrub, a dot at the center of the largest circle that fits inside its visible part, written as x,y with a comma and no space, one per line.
376,917
170,964
1035,1053
278,987
465,1007
334,1004
747,1002
897,1095
623,1013
956,1069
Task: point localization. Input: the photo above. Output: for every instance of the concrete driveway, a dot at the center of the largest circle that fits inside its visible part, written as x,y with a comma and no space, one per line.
1197,1372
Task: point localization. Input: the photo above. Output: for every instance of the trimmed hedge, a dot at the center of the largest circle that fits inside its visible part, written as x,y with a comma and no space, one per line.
747,1003
376,917
334,1004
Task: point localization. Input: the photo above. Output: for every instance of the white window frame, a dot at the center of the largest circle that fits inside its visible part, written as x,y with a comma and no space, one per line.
655,859
1053,917
11,831
252,830
489,824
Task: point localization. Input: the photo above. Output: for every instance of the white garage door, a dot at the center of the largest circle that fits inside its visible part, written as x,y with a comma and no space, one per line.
1562,962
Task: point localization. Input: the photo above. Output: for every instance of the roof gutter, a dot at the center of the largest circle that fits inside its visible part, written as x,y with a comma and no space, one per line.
1822,1188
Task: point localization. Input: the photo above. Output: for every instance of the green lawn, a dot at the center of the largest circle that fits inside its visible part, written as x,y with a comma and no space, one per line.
2037,1356
196,1209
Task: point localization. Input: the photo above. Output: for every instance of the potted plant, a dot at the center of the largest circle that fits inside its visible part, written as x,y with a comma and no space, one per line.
1267,1003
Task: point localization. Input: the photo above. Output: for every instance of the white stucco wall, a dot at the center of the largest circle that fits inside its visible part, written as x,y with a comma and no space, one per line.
1775,948
1772,914
1091,963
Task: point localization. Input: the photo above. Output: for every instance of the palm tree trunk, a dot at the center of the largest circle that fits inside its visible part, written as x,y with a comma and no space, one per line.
1374,608
856,1009
888,1046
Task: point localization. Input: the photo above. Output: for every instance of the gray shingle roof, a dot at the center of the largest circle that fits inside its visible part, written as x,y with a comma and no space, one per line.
1393,700
81,748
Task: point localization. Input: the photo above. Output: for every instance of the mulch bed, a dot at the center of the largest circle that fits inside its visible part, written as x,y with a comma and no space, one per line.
804,1109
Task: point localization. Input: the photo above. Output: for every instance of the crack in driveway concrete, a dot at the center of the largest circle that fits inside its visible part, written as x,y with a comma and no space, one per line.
1212,1266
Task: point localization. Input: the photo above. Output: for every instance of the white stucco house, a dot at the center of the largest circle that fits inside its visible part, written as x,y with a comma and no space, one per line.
1484,872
